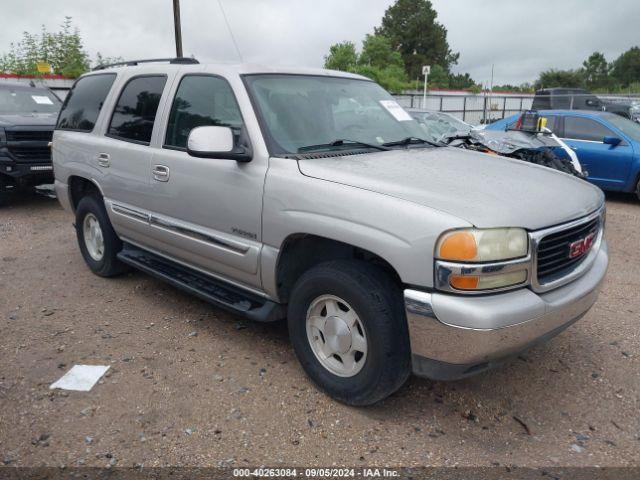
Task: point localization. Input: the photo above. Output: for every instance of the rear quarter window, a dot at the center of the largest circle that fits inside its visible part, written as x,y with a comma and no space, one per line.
135,113
82,106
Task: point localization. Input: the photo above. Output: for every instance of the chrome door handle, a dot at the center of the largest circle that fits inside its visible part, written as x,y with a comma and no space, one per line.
160,173
104,160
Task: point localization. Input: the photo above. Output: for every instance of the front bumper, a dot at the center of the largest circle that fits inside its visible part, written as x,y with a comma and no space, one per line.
455,336
31,170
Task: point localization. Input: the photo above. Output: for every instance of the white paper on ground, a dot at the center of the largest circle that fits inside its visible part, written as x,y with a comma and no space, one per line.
80,378
399,113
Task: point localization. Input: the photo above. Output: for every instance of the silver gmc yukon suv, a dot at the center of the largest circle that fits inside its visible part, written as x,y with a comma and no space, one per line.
312,195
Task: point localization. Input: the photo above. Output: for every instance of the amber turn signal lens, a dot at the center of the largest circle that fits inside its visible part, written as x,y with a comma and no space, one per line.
464,283
459,246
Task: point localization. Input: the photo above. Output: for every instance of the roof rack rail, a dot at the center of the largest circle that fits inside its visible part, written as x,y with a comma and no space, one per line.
130,63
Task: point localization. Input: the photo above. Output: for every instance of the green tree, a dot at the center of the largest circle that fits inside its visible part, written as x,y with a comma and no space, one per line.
377,61
412,29
377,52
62,49
596,71
461,81
626,68
560,78
101,60
342,56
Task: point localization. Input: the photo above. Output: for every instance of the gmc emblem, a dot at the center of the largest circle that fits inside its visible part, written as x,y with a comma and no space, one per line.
582,246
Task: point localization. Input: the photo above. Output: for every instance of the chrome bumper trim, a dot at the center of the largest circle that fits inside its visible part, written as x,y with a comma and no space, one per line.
467,330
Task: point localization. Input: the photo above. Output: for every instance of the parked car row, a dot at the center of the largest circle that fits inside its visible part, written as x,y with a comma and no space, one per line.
607,145
311,195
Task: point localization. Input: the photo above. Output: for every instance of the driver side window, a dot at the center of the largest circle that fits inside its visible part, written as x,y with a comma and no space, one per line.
578,128
201,100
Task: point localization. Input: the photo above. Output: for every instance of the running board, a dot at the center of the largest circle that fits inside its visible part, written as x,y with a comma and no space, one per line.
216,292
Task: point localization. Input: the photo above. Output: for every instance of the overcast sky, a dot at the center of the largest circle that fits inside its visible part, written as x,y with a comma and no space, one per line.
520,38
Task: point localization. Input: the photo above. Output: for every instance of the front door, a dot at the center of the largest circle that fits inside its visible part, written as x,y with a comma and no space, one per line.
206,212
608,166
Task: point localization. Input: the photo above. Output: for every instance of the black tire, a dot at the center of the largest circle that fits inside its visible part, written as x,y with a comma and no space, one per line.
108,265
377,301
5,192
638,188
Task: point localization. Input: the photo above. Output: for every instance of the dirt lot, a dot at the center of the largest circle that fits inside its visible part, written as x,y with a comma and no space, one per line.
191,385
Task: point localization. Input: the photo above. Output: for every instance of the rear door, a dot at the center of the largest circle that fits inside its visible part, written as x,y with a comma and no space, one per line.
607,166
124,154
75,138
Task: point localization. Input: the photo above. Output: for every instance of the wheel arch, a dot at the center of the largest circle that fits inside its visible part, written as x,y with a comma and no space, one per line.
301,251
81,186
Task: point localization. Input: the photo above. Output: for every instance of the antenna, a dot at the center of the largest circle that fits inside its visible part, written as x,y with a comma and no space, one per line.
235,44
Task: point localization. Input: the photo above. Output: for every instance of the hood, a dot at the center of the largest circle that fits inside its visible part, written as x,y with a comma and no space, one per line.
485,190
28,119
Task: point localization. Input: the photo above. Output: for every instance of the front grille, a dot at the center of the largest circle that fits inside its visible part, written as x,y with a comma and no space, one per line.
31,153
29,135
554,260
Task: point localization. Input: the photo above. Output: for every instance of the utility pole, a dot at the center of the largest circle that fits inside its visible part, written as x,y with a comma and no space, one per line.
176,22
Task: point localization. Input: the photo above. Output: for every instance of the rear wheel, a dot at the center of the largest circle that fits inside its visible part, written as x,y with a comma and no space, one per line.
638,189
98,242
348,329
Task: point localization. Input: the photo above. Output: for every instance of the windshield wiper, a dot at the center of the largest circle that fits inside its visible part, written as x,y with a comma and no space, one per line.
412,140
340,143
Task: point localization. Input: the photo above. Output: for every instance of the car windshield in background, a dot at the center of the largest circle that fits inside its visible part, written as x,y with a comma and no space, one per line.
629,128
303,113
22,100
438,126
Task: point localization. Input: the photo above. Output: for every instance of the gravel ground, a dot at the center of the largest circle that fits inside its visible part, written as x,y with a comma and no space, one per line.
192,385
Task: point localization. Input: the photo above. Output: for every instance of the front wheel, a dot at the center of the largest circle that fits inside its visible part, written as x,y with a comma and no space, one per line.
5,191
348,329
98,242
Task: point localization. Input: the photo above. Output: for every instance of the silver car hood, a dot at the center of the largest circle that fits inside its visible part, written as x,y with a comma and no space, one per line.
485,190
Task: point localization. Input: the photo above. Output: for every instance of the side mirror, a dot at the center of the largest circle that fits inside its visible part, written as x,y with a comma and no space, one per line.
613,141
216,142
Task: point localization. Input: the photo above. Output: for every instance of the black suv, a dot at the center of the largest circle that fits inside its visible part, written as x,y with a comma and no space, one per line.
27,118
580,99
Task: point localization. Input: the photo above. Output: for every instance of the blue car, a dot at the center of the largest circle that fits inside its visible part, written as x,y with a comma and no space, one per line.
608,145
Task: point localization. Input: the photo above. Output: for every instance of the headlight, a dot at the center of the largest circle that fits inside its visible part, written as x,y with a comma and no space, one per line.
474,260
472,245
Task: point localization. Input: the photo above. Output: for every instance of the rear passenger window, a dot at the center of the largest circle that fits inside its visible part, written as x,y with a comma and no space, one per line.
578,128
135,112
201,101
83,103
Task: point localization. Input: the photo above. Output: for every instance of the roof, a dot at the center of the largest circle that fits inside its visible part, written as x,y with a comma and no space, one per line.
227,69
565,89
579,113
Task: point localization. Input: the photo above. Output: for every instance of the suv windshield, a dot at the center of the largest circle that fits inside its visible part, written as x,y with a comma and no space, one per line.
316,113
27,100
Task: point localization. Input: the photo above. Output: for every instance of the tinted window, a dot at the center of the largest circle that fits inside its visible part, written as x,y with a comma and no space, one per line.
199,101
136,109
82,105
585,129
